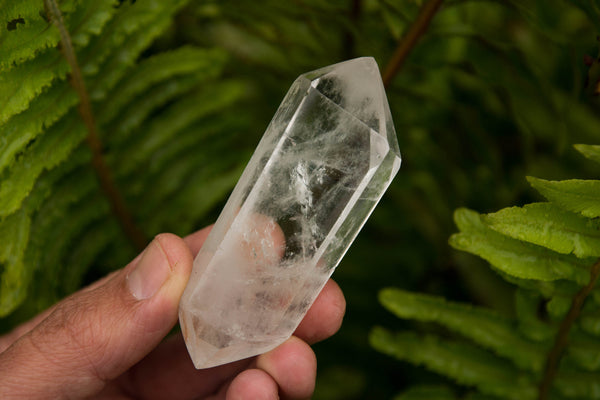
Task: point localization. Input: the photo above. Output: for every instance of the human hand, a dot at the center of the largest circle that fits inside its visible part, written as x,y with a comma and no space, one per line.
104,342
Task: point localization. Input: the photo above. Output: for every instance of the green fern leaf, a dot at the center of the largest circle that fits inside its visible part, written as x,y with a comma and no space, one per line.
20,86
14,235
546,225
17,184
53,104
114,68
175,168
91,244
25,31
577,195
177,117
138,110
513,257
466,364
204,63
18,234
589,151
46,153
46,109
581,351
127,28
484,327
43,112
41,130
195,201
77,193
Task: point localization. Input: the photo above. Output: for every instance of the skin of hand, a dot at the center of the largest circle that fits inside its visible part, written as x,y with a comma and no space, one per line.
106,341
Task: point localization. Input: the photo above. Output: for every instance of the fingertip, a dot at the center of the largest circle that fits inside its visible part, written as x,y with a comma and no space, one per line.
156,281
252,384
293,365
325,316
177,251
165,258
181,261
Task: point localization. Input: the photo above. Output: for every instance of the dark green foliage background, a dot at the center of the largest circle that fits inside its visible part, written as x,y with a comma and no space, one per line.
183,90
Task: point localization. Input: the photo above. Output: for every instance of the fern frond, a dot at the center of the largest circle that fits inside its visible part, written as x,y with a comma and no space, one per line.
547,225
178,116
42,131
186,61
21,236
196,200
43,112
75,193
46,109
14,233
90,246
482,326
577,195
32,33
44,154
25,31
464,363
513,257
115,66
20,86
535,243
143,28
590,151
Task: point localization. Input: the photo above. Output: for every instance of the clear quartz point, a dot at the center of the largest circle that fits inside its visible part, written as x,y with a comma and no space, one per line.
324,162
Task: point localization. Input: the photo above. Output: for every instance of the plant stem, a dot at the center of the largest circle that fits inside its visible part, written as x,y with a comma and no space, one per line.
562,336
410,39
117,204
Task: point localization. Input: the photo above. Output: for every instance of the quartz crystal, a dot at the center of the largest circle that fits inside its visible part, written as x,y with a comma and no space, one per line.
322,165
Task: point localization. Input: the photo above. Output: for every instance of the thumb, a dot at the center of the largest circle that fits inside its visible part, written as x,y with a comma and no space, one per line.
98,333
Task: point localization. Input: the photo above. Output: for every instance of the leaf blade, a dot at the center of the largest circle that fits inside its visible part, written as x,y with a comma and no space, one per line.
577,195
549,226
513,257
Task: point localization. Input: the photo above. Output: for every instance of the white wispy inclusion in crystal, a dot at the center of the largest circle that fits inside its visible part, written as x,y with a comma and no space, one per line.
324,162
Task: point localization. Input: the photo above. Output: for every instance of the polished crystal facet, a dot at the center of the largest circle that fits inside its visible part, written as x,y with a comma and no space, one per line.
324,162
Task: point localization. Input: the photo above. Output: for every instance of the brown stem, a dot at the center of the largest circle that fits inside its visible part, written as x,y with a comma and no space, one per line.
117,204
410,39
562,336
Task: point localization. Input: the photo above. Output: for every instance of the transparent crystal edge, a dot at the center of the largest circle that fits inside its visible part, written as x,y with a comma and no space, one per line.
245,186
